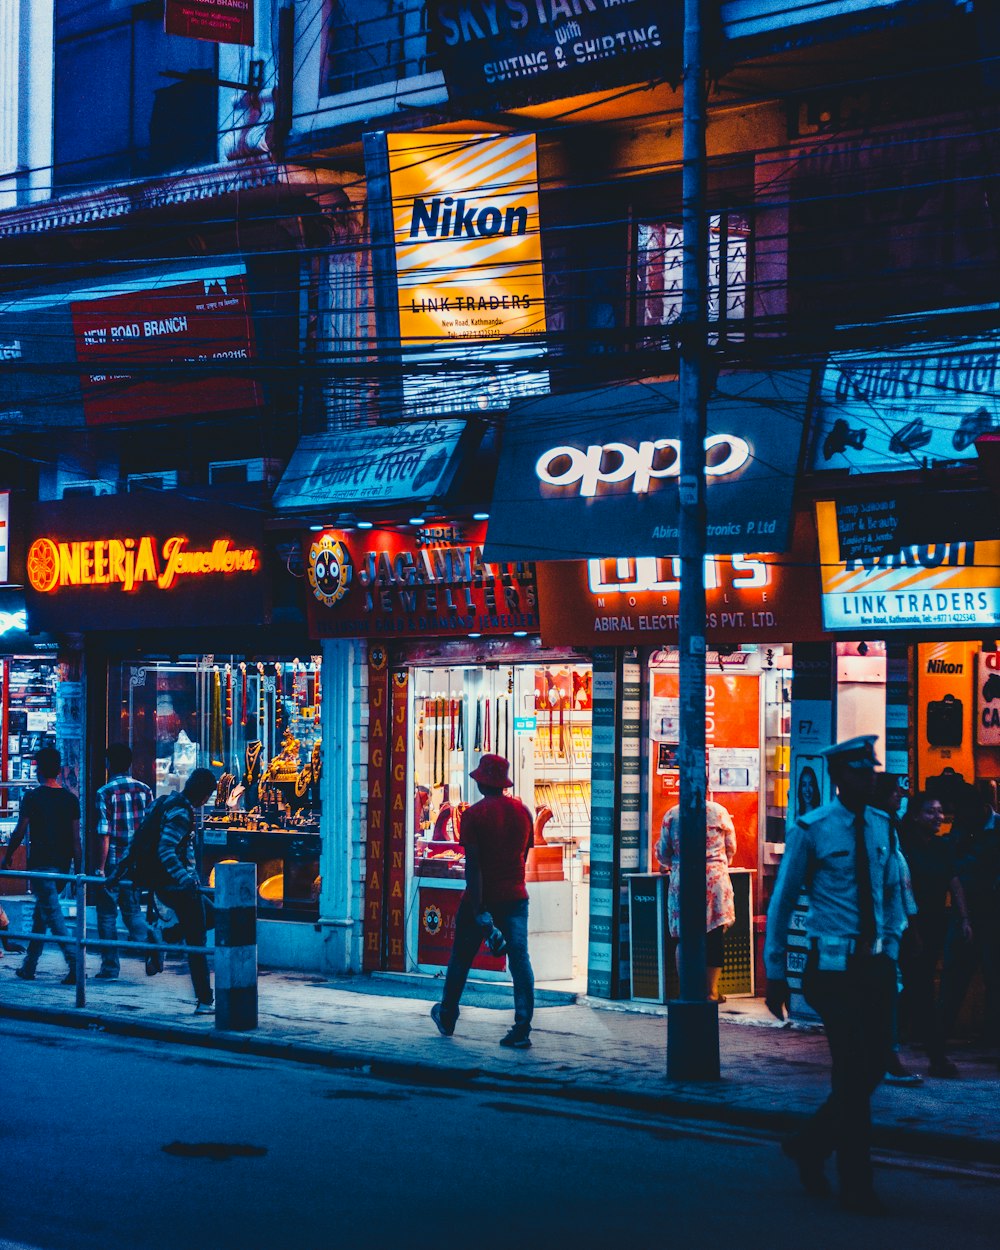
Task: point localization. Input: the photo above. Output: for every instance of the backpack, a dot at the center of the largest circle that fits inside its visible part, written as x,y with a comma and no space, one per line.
141,862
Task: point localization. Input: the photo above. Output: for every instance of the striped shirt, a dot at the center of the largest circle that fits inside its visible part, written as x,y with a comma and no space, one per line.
121,806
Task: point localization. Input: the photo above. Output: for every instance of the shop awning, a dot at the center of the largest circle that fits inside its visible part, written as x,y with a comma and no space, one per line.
385,464
595,473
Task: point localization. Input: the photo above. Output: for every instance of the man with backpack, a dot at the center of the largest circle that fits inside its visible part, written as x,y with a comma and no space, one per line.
50,815
122,805
162,858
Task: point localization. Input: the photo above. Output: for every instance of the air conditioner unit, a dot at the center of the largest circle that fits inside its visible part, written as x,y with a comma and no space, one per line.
166,480
235,472
71,489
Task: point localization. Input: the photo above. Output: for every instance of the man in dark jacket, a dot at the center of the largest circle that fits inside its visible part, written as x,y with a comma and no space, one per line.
177,883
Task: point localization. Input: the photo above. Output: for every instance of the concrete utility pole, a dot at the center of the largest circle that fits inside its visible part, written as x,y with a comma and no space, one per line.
693,1022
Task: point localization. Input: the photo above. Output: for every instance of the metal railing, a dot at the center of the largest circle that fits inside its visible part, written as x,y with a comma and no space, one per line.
80,941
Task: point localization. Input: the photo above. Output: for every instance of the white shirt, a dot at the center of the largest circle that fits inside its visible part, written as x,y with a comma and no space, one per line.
819,855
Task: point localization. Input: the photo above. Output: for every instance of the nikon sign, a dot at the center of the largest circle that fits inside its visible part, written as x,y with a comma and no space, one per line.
467,242
595,474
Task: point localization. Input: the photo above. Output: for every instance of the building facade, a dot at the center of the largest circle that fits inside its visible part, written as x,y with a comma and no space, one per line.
447,244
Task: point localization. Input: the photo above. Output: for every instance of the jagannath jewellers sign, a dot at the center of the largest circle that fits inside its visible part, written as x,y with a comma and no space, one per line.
595,474
525,51
906,409
945,585
415,583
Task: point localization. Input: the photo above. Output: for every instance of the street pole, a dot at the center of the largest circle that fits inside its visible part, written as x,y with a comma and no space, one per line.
693,1021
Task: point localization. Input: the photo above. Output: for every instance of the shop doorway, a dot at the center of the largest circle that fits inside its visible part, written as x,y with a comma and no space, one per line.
539,717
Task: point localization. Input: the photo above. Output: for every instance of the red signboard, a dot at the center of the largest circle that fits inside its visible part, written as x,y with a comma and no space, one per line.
438,909
376,807
395,869
219,21
201,321
753,598
430,582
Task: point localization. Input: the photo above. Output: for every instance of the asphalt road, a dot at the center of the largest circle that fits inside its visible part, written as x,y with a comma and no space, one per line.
126,1145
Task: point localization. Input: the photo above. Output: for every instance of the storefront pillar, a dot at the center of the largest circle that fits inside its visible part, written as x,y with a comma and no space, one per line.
342,855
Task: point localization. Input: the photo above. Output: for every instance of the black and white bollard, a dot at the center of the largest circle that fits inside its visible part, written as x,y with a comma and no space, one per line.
236,946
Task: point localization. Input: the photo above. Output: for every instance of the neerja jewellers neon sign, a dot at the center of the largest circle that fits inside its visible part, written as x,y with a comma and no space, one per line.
651,461
128,562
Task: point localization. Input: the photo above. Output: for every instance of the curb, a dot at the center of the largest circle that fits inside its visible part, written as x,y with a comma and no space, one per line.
915,1142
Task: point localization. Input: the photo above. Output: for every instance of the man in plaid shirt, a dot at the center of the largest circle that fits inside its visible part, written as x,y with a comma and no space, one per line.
121,806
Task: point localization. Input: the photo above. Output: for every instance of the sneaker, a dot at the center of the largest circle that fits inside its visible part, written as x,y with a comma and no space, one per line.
896,1074
26,974
516,1039
106,974
154,964
446,1030
900,1076
204,1009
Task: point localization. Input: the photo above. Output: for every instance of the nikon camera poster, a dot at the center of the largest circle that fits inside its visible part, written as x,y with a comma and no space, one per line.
468,268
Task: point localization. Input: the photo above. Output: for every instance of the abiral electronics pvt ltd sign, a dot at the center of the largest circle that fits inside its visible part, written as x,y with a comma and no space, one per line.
636,601
523,51
426,583
945,585
109,564
595,474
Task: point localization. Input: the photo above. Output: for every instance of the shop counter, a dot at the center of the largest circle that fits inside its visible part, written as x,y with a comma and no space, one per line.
550,928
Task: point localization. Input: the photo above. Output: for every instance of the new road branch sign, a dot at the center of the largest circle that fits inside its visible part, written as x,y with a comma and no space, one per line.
595,474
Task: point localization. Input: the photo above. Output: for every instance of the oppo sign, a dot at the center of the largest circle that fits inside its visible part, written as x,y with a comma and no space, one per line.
612,464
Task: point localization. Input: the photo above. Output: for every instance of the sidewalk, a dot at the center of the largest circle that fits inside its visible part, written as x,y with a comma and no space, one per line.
583,1051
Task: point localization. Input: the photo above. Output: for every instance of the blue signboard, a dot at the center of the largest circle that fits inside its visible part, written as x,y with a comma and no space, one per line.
595,474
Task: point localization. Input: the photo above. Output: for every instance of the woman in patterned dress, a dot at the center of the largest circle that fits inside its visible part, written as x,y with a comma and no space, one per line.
720,910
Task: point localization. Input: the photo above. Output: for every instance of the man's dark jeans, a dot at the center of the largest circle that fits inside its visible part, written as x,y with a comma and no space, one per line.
195,916
512,921
48,917
126,897
856,1009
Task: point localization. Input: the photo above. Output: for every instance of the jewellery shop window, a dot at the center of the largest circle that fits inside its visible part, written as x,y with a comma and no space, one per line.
538,717
29,698
256,724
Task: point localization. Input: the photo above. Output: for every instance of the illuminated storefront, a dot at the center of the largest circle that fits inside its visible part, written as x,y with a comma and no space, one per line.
171,601
455,670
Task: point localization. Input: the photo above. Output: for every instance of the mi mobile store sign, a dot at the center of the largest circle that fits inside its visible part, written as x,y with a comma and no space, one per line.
949,585
466,227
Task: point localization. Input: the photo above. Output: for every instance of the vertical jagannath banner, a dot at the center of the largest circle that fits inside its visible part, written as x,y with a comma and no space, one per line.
376,822
396,846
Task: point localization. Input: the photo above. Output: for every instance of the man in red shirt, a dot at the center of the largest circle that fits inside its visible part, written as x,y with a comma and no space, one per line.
496,834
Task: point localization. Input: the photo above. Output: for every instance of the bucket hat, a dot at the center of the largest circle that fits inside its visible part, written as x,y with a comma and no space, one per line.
492,771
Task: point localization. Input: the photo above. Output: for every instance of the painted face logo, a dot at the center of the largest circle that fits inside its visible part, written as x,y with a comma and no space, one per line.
330,570
614,464
432,919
